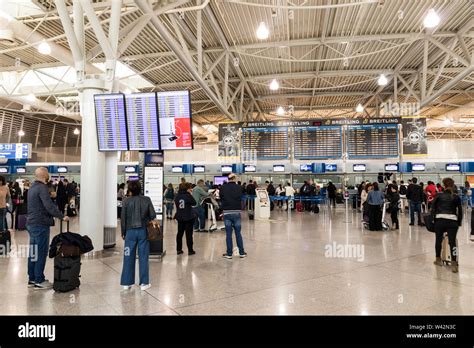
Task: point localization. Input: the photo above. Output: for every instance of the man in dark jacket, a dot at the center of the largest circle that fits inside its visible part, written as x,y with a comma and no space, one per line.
332,193
41,211
415,197
231,195
271,192
185,216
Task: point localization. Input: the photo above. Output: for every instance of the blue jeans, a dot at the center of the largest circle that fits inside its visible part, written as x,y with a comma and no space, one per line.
136,237
169,209
233,220
415,207
3,214
38,252
200,222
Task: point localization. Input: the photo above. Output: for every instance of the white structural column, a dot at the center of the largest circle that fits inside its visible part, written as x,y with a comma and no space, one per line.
92,167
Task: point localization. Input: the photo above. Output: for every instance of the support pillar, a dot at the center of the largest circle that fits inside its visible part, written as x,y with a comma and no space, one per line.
110,199
92,167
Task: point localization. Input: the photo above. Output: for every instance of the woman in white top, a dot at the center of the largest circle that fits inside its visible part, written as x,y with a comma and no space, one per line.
289,192
278,192
363,197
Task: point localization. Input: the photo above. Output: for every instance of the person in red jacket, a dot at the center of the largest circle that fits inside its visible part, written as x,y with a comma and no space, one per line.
430,192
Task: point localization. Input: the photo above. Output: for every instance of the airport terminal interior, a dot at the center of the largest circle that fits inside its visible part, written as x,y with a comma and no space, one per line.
340,121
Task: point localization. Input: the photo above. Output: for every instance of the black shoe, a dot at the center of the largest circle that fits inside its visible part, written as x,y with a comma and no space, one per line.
192,252
179,252
225,256
422,225
244,255
412,224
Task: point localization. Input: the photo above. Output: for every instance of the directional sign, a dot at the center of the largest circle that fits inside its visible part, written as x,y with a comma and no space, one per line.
15,151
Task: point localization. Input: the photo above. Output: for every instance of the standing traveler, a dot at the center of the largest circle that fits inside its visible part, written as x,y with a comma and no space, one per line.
375,199
120,197
439,188
231,195
363,195
365,203
430,192
4,196
415,197
271,192
279,192
332,193
402,190
200,193
468,193
137,212
185,215
41,210
250,190
15,194
169,201
394,203
290,194
447,214
61,196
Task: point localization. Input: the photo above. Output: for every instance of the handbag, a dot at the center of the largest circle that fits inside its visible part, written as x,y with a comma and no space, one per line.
154,231
429,221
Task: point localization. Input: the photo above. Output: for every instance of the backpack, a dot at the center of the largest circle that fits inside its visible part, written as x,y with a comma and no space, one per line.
403,190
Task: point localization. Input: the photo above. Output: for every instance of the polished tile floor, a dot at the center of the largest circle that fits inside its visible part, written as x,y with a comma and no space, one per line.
298,264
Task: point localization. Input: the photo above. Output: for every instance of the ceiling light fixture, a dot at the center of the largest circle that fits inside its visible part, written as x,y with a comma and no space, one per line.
31,97
76,131
359,108
431,19
400,14
21,133
262,31
280,111
127,91
44,48
345,62
274,85
382,81
447,122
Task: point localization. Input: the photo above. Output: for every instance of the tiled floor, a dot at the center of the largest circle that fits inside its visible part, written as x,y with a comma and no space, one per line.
288,271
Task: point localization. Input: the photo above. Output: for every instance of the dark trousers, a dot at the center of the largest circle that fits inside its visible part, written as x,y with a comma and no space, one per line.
415,207
185,226
394,217
472,222
332,200
451,227
375,217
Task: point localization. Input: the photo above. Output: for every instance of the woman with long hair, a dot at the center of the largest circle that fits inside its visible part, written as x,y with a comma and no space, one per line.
447,214
375,199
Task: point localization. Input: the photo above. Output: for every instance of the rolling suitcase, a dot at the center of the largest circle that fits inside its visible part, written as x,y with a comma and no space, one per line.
67,270
5,242
446,257
299,206
21,224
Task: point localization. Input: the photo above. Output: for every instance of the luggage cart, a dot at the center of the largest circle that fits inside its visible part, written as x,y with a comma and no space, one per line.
385,225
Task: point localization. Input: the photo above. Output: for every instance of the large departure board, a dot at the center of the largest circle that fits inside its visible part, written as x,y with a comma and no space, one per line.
372,141
317,142
111,122
142,121
266,143
174,110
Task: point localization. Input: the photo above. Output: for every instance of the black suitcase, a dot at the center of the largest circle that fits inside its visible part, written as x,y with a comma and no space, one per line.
5,242
67,270
316,208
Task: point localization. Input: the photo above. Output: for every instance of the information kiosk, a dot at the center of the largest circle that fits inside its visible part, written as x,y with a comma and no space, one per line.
262,204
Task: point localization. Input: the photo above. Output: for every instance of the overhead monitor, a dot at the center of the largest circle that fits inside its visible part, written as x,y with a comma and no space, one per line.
278,168
359,167
4,170
20,170
130,169
306,167
391,167
330,167
177,169
111,122
174,111
417,167
199,169
133,178
226,168
62,170
219,180
453,167
142,121
250,168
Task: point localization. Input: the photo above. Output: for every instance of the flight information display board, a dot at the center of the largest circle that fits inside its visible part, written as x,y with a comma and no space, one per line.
372,141
174,110
111,122
265,143
142,121
317,142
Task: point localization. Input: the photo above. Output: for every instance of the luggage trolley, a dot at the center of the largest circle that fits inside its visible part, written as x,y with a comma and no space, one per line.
213,209
385,225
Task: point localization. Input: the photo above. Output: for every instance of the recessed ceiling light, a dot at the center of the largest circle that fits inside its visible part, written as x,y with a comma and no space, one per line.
382,81
262,31
274,85
76,131
431,19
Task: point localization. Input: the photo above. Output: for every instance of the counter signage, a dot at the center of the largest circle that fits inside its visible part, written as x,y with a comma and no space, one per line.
15,151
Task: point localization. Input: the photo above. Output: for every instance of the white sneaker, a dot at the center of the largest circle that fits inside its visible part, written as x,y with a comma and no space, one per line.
144,287
126,287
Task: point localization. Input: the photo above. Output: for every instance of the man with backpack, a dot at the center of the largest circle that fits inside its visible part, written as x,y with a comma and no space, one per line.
402,190
415,196
271,192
